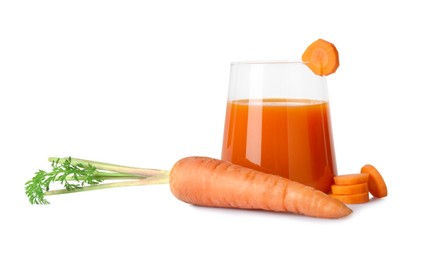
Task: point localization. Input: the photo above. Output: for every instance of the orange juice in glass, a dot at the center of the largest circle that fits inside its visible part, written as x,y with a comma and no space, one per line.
278,121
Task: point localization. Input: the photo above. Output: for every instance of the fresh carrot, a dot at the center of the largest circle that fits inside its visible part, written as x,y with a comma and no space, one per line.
197,180
350,179
377,185
210,182
349,189
321,57
352,198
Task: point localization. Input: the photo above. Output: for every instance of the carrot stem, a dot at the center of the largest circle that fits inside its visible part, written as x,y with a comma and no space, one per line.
113,167
159,179
110,176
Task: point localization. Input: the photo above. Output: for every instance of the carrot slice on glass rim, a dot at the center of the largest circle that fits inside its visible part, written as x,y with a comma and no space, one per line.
321,57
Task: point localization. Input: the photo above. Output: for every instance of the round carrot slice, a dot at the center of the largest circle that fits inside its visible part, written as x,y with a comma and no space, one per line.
350,179
321,57
352,198
376,183
349,189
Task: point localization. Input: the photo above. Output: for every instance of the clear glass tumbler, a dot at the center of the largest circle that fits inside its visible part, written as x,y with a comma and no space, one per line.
278,121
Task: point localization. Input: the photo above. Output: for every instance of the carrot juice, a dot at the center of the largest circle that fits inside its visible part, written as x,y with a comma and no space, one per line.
287,137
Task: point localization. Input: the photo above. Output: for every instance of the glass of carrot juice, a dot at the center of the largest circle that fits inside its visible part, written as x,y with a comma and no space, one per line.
278,121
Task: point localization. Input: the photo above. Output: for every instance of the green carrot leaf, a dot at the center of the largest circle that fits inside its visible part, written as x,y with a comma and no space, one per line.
63,172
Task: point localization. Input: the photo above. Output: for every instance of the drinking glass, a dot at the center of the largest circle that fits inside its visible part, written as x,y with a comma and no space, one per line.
278,121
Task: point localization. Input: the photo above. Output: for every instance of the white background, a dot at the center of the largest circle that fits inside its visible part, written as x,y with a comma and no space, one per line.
144,83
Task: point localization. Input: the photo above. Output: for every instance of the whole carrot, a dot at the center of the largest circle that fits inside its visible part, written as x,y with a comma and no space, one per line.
198,180
210,182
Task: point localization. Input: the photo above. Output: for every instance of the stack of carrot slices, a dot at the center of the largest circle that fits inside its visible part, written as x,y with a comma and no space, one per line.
355,188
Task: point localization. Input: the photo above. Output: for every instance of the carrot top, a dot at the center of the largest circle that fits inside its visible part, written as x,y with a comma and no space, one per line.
321,57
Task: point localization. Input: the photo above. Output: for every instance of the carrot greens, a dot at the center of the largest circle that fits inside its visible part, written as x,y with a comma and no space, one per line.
77,175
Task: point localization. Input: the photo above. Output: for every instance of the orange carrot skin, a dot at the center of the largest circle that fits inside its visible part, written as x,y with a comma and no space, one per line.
210,182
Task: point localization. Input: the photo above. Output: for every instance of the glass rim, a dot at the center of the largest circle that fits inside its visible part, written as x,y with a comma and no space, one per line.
268,62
